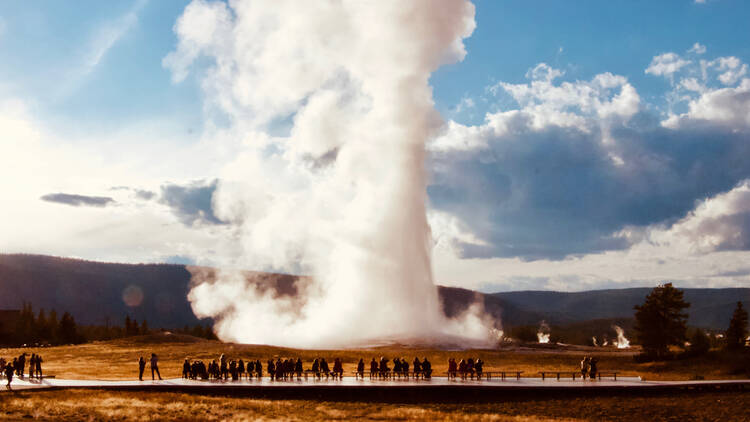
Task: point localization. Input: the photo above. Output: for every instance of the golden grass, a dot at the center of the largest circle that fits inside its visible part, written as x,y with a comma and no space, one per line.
117,359
152,406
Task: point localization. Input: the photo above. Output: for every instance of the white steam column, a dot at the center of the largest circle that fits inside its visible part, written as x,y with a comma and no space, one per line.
332,104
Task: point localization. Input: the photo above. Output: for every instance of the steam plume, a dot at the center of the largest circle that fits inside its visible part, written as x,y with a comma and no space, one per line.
543,333
622,342
332,102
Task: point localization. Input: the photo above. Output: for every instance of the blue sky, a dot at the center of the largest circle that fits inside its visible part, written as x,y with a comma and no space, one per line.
43,48
637,167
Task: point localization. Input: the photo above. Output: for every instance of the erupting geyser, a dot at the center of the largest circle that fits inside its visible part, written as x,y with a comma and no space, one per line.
543,334
332,104
621,342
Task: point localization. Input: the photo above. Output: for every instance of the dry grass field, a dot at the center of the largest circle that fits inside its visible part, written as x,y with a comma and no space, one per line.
117,359
111,406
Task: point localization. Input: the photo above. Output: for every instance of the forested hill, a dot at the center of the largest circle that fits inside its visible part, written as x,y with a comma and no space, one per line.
94,291
710,308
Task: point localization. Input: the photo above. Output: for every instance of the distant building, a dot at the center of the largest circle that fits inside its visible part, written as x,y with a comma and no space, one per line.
8,320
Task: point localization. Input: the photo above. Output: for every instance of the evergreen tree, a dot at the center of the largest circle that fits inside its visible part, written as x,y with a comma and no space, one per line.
42,327
68,329
737,331
660,322
128,326
144,327
53,327
700,344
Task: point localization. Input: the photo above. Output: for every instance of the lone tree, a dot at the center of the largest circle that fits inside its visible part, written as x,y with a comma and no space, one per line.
737,331
660,321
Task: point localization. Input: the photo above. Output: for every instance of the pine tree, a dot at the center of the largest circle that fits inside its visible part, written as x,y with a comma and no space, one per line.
68,329
737,331
144,327
660,322
128,326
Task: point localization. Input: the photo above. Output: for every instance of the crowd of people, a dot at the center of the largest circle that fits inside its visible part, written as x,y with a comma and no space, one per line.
466,368
17,367
381,369
286,369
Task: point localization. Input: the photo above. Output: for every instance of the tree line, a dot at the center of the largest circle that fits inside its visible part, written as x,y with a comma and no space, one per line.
42,327
45,328
661,322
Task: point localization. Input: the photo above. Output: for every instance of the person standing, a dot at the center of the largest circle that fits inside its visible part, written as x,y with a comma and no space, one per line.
155,366
592,368
584,367
21,365
141,367
38,363
361,368
9,373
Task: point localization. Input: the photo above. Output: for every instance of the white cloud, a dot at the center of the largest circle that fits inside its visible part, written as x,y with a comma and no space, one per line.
666,64
731,68
697,48
729,107
576,104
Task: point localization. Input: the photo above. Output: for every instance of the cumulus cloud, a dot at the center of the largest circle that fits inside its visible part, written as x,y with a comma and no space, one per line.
697,48
666,64
719,223
78,200
577,162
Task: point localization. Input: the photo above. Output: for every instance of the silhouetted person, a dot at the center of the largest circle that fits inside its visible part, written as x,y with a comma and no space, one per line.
373,368
38,365
9,369
426,368
298,368
223,363
592,368
384,370
259,368
271,369
324,367
452,368
338,369
361,368
155,366
21,365
584,367
32,365
141,367
186,369
479,367
417,367
241,368
316,368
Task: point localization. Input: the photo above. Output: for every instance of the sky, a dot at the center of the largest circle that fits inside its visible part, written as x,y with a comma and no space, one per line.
582,145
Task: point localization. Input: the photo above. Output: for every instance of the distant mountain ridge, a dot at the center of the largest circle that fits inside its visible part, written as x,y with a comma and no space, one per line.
94,292
710,308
